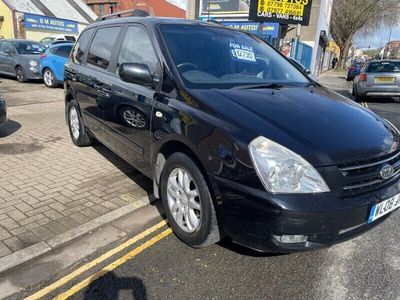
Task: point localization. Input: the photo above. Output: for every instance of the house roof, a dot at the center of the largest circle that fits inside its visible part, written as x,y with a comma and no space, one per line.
75,10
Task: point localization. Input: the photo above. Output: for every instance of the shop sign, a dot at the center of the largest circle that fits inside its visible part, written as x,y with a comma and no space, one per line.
271,29
224,8
49,24
281,11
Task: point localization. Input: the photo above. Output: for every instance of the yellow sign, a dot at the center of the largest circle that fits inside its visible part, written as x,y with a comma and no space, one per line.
282,11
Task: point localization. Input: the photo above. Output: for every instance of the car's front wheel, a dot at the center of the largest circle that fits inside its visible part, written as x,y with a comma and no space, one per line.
49,78
77,130
188,202
20,74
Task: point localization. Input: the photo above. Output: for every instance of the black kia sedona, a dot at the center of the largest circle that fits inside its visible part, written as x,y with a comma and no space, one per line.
239,142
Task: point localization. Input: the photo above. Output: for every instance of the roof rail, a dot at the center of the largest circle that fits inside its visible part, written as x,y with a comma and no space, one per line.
125,13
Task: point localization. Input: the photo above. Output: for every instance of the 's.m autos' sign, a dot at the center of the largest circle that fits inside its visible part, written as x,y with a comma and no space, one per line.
281,11
49,24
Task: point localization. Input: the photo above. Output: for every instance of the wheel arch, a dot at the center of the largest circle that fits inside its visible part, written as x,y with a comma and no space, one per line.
164,152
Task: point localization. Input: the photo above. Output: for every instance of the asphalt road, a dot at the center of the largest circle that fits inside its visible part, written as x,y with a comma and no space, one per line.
365,268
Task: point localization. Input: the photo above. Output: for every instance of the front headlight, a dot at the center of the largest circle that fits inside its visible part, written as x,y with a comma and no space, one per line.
283,171
33,63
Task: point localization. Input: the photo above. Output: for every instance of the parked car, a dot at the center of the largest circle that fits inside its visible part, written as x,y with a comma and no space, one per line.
354,70
238,141
3,111
378,78
20,58
52,63
55,38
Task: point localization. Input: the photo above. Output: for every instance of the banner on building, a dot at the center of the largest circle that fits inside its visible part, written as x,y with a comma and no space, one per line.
281,11
224,8
49,24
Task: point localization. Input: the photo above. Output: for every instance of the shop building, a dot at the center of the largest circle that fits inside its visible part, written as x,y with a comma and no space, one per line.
37,19
160,8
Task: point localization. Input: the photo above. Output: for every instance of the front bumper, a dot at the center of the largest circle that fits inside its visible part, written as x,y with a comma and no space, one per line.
255,218
33,73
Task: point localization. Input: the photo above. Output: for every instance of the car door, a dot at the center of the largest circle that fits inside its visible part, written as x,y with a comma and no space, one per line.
90,60
59,59
6,57
128,106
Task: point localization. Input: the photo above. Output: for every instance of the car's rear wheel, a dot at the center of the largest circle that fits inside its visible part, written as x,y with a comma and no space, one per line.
188,202
77,130
49,78
20,74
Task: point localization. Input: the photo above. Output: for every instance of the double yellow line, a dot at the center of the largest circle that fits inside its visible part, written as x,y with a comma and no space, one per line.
88,280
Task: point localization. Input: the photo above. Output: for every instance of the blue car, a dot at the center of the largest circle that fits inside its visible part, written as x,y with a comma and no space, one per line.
52,63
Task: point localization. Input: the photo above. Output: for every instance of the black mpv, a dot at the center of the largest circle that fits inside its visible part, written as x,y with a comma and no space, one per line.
238,141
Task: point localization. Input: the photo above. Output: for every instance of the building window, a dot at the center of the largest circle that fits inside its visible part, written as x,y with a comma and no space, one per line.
101,9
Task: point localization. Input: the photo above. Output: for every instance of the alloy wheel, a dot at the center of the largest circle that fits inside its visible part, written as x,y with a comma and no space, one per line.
183,200
74,123
48,77
20,74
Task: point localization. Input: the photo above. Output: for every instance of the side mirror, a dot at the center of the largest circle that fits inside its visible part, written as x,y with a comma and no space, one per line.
136,73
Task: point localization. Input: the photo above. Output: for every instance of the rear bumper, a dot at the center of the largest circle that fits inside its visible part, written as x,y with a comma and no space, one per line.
378,91
257,219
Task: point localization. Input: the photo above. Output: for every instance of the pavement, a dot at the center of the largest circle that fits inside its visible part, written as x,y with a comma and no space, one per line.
50,190
137,257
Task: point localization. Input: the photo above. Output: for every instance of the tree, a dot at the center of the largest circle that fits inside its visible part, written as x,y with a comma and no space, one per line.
352,16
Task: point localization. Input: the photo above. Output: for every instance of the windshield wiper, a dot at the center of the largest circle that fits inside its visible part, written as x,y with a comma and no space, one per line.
311,83
259,86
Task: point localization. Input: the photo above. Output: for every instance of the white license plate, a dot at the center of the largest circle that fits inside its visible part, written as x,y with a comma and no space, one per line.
383,208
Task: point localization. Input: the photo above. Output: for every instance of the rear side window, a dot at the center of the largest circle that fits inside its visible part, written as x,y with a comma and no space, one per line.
384,67
5,46
102,47
137,48
81,46
63,51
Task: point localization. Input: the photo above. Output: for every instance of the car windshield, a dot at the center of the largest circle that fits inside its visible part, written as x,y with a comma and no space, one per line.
210,57
29,47
384,67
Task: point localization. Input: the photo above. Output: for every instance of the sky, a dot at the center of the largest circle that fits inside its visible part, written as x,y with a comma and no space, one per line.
380,38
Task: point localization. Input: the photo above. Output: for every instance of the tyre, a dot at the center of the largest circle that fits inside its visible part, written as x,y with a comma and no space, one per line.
77,130
49,79
188,202
20,74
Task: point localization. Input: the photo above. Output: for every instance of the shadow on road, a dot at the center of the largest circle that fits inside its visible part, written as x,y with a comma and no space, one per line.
9,128
381,100
110,287
135,175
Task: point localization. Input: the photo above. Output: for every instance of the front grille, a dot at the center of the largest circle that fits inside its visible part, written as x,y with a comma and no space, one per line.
366,176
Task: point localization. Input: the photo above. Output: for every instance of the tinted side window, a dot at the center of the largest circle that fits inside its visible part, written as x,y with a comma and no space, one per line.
102,46
53,50
81,46
137,48
5,46
63,51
